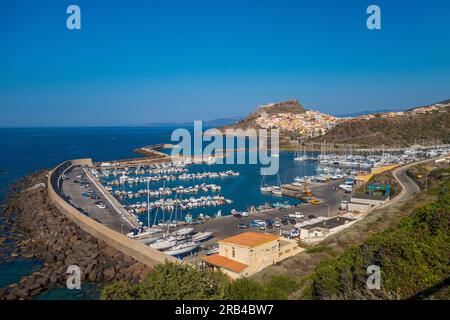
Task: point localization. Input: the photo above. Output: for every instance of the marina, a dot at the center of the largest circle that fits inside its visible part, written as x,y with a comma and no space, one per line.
182,208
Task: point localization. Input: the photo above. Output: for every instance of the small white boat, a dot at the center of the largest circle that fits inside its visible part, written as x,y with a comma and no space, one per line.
182,248
164,244
182,232
212,251
138,234
277,191
201,236
149,240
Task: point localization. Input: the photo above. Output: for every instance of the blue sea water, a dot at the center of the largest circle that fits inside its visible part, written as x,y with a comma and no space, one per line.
25,150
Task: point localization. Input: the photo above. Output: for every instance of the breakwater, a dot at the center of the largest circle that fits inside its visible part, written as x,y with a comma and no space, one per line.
44,233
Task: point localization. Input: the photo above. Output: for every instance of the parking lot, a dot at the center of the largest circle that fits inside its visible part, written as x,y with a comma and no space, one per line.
329,198
83,195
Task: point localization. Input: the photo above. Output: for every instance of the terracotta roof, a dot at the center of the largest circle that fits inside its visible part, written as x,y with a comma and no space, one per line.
250,239
224,262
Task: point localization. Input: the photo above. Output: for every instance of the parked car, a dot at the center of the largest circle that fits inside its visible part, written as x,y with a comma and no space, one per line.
260,222
261,227
101,206
311,216
293,233
285,222
270,221
244,214
292,221
237,215
277,224
243,226
296,215
254,224
344,205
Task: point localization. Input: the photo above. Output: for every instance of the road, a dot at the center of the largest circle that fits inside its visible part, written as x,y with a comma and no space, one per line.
409,187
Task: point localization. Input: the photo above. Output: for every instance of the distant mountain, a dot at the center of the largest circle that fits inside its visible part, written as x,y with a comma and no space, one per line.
210,123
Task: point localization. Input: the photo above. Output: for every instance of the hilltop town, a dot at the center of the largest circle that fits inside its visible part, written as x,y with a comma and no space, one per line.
299,124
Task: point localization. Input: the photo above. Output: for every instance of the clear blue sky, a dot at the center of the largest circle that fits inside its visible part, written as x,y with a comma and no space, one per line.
135,62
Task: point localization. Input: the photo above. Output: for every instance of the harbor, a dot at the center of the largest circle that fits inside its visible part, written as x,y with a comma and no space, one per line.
183,208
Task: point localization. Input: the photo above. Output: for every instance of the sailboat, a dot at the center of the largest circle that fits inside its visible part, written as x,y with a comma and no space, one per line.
276,190
264,187
182,248
303,156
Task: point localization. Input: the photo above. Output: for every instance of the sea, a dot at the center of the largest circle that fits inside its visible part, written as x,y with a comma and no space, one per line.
26,150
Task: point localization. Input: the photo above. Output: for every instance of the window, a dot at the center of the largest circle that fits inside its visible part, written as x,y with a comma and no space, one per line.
233,252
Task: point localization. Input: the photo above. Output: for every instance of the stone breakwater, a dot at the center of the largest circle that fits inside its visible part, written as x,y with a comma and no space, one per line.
43,232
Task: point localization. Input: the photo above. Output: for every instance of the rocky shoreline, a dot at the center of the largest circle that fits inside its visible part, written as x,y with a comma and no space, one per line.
39,230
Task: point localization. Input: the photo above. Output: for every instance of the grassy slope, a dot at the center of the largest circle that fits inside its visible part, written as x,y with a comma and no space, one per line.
401,131
341,252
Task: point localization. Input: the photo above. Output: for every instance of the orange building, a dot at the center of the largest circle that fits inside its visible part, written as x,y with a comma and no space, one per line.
247,253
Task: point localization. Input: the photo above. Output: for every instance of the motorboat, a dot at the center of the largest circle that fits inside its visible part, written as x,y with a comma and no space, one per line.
164,244
150,240
277,191
182,248
182,232
143,232
201,236
212,251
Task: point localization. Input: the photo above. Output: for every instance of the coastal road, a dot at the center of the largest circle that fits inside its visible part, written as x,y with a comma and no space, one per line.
409,187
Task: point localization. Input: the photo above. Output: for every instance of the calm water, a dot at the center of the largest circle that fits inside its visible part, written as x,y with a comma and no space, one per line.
24,151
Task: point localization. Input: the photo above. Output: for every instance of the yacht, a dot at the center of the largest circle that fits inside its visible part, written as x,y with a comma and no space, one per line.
182,232
164,244
201,236
182,248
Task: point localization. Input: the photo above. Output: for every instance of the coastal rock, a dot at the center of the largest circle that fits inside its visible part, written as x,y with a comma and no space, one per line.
44,233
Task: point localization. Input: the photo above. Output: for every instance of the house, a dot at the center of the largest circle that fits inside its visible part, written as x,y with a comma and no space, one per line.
322,229
362,202
247,253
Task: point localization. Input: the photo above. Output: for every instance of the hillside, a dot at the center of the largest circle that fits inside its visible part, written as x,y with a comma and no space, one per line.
396,131
413,257
284,107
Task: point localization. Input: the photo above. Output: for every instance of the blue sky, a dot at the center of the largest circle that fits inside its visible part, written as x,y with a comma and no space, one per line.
135,62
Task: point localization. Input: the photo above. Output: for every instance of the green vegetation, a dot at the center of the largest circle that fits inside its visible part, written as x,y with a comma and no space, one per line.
180,282
413,257
399,131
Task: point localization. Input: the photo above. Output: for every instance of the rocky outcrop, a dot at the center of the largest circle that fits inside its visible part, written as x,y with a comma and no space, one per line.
45,233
